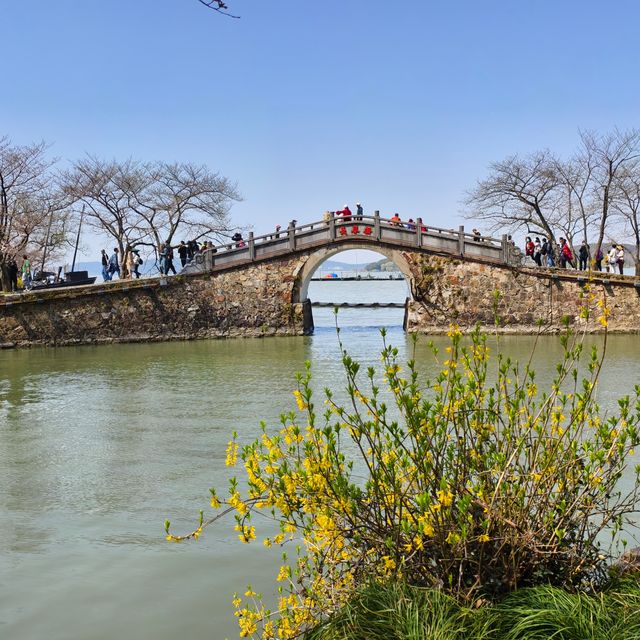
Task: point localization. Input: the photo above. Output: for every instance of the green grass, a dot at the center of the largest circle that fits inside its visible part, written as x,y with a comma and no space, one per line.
399,612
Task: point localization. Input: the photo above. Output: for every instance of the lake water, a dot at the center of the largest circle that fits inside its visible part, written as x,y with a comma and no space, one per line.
98,445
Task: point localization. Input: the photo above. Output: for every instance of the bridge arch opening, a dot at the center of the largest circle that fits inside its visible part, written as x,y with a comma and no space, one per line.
336,276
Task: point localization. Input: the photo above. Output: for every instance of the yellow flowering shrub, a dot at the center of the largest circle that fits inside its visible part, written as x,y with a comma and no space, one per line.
474,483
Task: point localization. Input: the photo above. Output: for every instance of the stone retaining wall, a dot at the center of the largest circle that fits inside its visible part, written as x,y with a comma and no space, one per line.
254,301
448,290
261,299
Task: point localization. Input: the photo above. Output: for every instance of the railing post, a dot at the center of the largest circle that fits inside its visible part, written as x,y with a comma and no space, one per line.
505,249
206,260
376,225
461,240
418,232
292,237
332,226
252,247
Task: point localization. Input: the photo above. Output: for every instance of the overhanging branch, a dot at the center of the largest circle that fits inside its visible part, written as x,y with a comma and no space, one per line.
219,6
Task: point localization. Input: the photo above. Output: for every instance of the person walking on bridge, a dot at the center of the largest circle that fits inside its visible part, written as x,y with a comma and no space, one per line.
620,259
105,266
583,256
182,252
13,274
170,266
26,272
114,265
566,255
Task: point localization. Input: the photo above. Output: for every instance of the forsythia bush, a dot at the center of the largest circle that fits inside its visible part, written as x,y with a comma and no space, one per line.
476,482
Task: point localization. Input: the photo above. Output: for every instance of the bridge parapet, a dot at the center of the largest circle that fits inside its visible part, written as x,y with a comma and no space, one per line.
366,230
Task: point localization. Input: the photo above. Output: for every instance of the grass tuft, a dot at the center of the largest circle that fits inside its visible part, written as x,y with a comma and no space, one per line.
401,612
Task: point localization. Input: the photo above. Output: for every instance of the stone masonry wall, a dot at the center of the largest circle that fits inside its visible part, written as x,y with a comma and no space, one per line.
253,301
259,299
447,290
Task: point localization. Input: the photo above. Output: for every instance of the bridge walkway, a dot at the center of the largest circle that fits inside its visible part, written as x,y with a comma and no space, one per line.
368,231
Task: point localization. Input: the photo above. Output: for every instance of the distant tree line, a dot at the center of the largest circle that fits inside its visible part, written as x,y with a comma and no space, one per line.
132,203
594,195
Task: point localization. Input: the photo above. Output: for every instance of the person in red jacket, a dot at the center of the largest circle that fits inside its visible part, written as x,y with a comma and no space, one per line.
345,213
529,247
566,256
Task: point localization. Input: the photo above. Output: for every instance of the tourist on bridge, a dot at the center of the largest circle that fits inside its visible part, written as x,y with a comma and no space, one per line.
163,258
411,225
547,254
620,259
237,238
182,252
170,266
537,252
612,258
598,259
566,255
396,221
477,236
12,271
583,256
114,265
192,249
105,266
359,211
529,247
345,213
26,272
133,262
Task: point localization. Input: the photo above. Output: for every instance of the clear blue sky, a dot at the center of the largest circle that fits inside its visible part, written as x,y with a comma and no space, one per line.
312,104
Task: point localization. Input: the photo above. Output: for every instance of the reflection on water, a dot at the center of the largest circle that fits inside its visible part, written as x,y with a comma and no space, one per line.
99,444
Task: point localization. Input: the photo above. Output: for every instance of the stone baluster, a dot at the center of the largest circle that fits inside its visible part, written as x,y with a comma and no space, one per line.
252,247
332,226
418,232
461,240
292,237
376,225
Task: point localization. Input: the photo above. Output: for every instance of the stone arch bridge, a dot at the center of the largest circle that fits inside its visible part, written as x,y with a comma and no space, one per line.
259,288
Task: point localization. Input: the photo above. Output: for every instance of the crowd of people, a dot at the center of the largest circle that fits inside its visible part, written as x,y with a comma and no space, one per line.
346,215
545,254
187,251
20,277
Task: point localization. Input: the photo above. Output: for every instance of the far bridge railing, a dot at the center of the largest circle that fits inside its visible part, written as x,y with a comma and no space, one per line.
365,230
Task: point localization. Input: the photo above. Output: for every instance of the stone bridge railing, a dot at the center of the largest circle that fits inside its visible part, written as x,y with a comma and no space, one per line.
368,230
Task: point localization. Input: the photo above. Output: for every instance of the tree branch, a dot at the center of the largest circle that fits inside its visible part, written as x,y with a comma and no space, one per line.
219,6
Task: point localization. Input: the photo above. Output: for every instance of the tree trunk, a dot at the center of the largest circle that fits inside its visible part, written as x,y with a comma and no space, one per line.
4,278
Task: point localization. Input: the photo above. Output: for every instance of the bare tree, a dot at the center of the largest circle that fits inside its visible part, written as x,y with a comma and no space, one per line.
105,187
30,205
626,202
611,154
193,201
576,204
519,193
138,203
